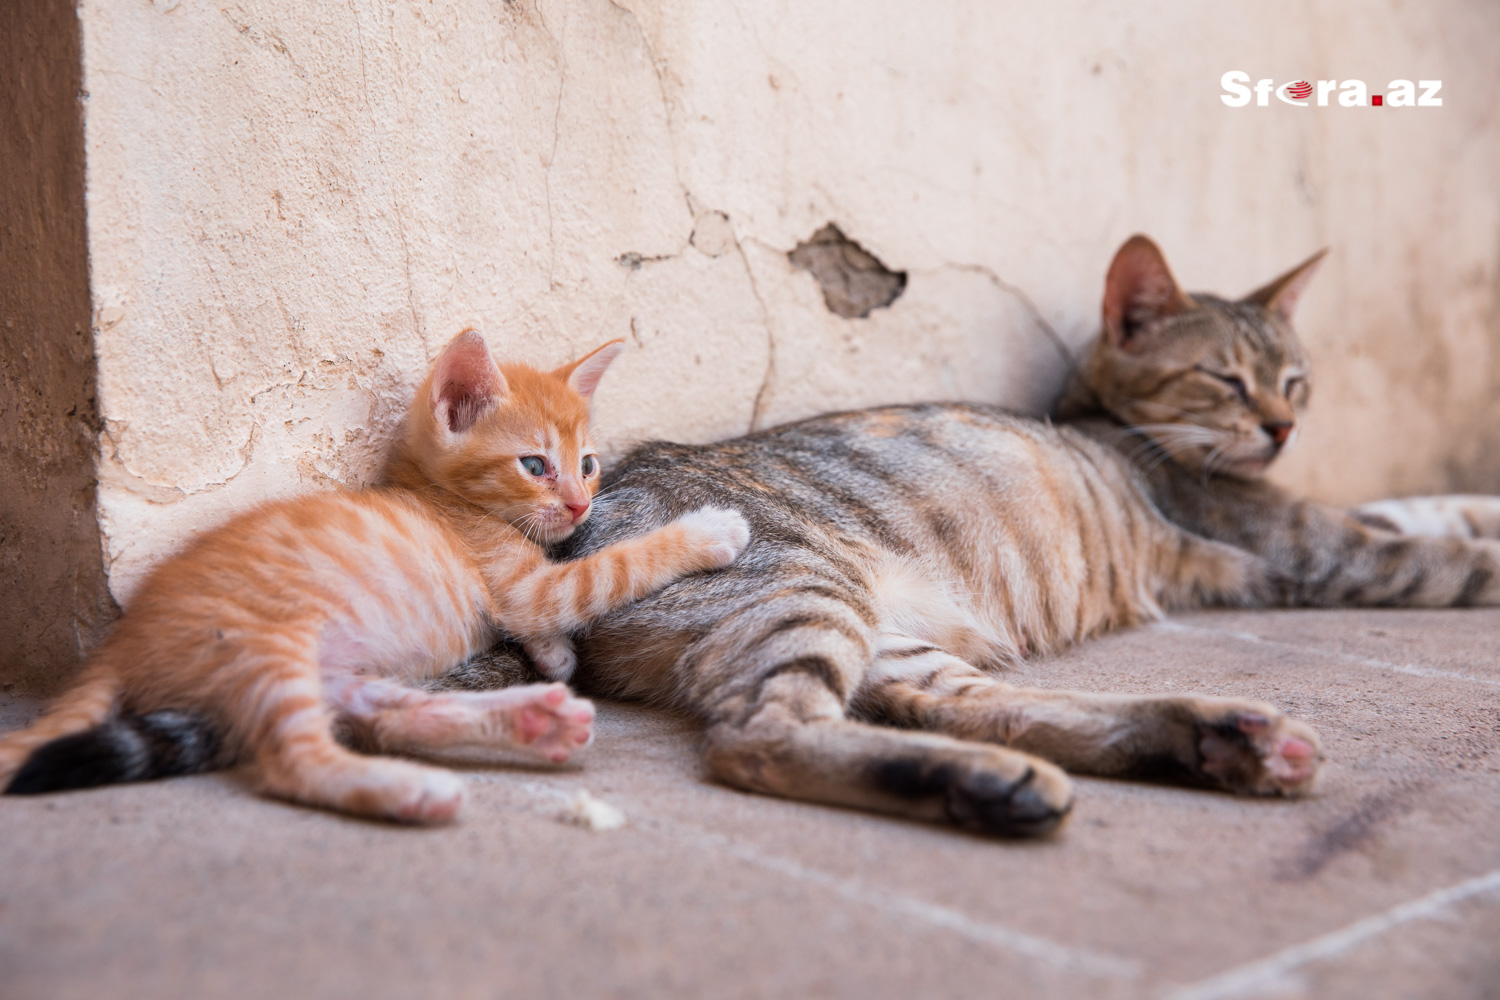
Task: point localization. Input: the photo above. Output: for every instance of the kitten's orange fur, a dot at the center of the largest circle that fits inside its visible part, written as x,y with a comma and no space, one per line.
322,607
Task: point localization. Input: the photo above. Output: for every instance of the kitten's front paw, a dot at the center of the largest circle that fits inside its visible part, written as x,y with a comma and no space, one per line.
1255,749
553,656
720,533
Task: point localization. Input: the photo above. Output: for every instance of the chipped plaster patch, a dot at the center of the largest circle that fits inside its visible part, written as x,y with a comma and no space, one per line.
854,281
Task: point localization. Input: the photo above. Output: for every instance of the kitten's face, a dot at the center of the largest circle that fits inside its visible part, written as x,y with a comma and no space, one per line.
512,440
1218,386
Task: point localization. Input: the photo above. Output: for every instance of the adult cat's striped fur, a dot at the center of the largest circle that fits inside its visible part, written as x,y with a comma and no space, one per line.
903,556
321,610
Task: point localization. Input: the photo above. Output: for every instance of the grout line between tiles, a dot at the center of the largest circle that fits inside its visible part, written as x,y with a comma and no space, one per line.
1363,661
1270,973
1088,962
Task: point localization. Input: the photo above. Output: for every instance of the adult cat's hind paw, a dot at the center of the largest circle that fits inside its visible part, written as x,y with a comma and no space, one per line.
1456,516
993,790
719,533
553,655
1256,750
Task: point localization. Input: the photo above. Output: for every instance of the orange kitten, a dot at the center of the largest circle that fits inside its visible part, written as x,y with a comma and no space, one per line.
324,608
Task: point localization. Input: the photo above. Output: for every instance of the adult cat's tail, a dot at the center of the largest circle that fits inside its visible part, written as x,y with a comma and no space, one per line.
80,743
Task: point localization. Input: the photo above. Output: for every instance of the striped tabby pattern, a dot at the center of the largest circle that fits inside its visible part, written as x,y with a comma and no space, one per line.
324,611
1460,515
903,556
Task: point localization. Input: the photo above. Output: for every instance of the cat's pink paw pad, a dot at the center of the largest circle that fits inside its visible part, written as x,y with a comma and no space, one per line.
550,722
1260,753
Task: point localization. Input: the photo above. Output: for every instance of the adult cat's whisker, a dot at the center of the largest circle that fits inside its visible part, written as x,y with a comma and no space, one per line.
1189,414
1208,463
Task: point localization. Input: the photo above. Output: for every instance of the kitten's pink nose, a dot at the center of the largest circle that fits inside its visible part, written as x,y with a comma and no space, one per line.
1279,430
578,509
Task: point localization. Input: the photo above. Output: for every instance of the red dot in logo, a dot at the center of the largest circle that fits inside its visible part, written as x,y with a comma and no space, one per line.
1300,91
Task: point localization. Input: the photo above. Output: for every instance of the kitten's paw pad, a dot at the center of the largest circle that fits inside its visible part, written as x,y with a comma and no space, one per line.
548,721
721,533
1259,751
430,797
554,656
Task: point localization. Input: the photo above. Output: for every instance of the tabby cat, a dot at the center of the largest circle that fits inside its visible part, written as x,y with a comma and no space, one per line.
903,556
324,609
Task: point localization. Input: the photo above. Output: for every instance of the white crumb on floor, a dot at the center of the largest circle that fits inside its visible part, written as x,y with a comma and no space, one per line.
592,814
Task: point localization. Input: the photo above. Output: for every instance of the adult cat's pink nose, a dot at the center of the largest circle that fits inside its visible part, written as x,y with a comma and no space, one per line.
1279,430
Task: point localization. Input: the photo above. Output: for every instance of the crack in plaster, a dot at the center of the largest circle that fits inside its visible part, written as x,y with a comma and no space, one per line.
165,494
757,409
1026,301
635,261
562,86
262,39
395,203
656,65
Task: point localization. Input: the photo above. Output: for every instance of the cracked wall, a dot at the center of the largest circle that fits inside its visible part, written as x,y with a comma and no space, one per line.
293,206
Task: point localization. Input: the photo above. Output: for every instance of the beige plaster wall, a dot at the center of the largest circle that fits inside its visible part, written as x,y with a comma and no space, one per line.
53,599
293,205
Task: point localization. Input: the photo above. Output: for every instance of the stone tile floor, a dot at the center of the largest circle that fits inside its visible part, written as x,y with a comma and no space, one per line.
1385,884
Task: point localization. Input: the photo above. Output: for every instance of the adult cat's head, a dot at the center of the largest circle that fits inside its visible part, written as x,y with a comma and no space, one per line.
510,439
1217,385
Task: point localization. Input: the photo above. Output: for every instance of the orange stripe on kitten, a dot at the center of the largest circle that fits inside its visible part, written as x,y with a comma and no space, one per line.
307,612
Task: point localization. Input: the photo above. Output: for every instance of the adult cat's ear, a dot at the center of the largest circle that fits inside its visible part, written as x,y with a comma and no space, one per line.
1139,289
584,374
1281,295
466,384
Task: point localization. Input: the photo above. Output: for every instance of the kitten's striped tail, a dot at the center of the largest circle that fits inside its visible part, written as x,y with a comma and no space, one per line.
80,743
120,749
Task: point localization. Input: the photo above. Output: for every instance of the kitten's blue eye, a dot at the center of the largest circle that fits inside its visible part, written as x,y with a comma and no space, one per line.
535,465
590,465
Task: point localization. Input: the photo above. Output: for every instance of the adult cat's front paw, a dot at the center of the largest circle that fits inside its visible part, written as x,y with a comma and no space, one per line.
718,534
1251,748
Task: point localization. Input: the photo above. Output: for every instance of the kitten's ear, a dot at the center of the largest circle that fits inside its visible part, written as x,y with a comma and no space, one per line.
584,374
466,383
1281,295
1139,288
